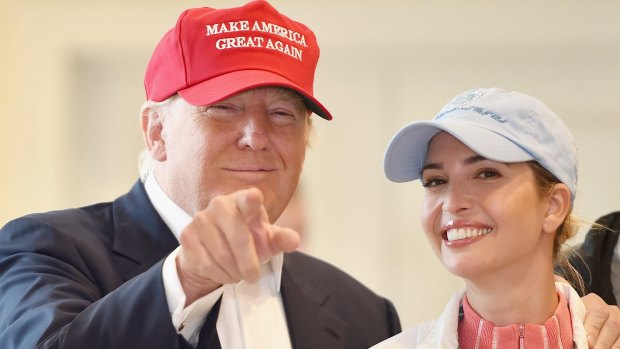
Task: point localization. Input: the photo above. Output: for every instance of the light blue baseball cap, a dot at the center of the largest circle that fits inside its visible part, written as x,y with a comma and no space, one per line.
500,125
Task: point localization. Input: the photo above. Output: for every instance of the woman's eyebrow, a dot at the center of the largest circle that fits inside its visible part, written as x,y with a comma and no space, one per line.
474,159
439,166
431,166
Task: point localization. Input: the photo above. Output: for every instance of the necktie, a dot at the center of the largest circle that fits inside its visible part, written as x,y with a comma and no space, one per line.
208,339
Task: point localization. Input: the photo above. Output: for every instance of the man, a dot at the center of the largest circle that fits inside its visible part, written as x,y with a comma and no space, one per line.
189,257
598,259
229,99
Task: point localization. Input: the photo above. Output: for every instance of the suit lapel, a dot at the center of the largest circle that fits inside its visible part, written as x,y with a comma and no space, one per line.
310,323
141,238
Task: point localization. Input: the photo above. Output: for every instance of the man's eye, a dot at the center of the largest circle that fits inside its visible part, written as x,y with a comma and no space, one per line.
221,107
220,111
283,117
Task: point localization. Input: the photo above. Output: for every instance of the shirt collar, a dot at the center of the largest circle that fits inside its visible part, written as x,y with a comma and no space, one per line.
176,219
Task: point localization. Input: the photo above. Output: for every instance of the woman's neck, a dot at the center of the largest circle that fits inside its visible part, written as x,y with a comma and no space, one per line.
513,297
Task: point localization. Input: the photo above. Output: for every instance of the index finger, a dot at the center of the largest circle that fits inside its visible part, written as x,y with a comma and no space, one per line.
244,235
249,203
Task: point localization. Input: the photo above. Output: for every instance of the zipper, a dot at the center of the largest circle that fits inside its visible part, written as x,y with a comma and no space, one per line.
521,336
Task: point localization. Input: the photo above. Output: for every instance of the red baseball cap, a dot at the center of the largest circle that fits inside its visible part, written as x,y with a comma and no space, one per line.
212,54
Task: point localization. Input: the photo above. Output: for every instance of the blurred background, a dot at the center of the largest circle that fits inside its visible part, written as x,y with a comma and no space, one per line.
71,88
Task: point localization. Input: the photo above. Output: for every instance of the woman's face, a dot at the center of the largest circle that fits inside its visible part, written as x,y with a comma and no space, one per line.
480,216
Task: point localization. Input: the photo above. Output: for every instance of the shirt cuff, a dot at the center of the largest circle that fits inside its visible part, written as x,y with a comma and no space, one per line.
186,320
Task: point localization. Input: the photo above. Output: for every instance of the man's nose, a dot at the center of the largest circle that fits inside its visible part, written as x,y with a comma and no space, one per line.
254,133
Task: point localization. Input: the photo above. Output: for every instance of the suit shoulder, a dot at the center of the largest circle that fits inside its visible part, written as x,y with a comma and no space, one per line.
69,222
364,310
321,272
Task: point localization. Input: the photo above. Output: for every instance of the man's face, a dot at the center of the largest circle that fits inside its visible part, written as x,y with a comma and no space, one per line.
256,138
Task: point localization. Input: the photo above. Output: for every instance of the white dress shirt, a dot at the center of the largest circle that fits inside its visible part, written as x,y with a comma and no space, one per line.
251,314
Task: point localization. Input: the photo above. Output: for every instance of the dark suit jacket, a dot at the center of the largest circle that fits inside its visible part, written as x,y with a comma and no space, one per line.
90,278
594,257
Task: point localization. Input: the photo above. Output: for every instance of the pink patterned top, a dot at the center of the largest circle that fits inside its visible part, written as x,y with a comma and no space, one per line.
557,332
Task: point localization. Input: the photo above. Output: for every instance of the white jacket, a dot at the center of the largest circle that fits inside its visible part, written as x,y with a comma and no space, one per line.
442,333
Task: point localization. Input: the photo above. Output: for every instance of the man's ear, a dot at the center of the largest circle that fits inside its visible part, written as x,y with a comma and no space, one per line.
559,207
153,133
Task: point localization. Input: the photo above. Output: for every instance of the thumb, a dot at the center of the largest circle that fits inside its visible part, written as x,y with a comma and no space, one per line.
285,239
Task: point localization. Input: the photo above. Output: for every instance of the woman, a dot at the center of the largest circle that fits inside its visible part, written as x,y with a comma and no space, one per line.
499,171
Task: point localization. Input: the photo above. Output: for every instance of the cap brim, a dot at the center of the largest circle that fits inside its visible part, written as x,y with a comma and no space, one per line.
227,85
406,152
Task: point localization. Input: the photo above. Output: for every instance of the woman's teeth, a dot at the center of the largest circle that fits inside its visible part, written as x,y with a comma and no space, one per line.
464,233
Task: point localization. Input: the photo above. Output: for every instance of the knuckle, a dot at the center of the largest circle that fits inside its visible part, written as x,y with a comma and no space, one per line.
222,211
601,312
202,270
203,267
223,256
194,271
210,271
218,203
593,302
239,239
613,324
187,238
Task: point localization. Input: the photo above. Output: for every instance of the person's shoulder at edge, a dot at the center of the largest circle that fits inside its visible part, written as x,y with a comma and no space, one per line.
299,264
56,221
340,292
